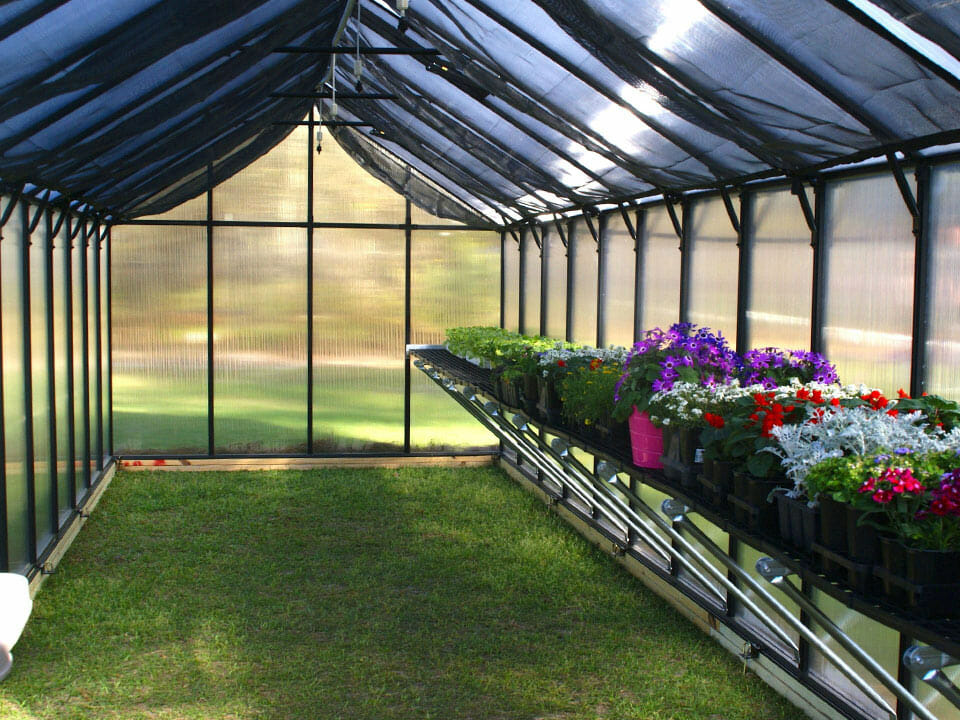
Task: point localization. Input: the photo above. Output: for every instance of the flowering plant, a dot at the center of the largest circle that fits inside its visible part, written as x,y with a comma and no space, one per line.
835,431
559,361
772,367
684,353
587,391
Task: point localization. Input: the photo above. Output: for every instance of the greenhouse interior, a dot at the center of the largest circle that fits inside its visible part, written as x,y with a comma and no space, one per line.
682,272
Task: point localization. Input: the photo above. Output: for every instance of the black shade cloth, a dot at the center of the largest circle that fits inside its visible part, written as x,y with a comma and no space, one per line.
532,106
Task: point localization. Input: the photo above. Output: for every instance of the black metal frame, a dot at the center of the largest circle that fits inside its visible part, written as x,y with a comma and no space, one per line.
47,525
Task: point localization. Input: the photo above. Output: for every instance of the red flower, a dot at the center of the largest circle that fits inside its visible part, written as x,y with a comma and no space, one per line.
714,420
902,395
893,413
595,363
835,402
883,496
561,363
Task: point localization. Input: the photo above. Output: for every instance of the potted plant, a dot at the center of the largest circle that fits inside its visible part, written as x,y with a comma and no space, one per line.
682,353
587,401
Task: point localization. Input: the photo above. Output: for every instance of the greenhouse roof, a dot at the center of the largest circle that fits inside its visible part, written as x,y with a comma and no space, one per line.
528,107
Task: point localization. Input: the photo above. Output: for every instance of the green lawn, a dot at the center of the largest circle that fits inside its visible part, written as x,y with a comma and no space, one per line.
418,593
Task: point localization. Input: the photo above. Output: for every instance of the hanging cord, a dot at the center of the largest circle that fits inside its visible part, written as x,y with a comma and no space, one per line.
333,94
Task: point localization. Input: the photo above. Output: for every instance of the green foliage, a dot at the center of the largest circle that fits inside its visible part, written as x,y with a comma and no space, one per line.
500,348
587,392
841,478
938,410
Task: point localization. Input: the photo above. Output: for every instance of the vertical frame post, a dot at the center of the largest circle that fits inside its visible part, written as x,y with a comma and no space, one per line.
602,225
641,225
572,239
211,444
744,268
310,160
98,344
921,279
819,265
503,277
4,531
544,277
54,508
109,260
85,451
524,236
407,329
28,383
72,230
686,213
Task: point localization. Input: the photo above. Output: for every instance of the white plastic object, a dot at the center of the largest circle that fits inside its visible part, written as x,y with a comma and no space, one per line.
15,607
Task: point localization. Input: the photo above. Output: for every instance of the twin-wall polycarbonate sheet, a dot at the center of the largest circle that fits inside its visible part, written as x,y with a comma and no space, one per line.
260,339
780,281
455,282
511,283
659,271
868,284
618,294
880,642
531,284
81,377
272,188
160,339
712,268
14,401
343,192
358,315
584,264
943,288
62,367
555,277
44,468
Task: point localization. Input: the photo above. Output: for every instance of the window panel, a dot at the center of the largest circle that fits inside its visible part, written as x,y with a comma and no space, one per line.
713,268
583,264
943,284
659,271
531,284
620,273
555,297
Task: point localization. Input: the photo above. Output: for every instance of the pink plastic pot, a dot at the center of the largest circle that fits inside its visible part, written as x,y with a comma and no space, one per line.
646,441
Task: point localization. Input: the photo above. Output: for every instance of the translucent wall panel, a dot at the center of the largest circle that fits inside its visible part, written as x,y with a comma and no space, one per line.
659,271
81,377
43,466
343,192
454,282
868,283
531,285
880,642
260,339
422,217
93,347
272,188
619,286
583,264
104,346
511,283
943,320
14,405
62,365
195,209
358,339
160,339
780,288
713,268
555,277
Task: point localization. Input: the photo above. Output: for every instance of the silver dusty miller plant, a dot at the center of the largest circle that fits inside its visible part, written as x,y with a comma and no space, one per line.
834,432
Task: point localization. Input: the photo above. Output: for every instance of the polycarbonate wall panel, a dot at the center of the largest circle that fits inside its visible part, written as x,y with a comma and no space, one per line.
659,271
343,192
943,288
455,282
93,308
80,375
618,294
868,282
358,352
511,283
260,339
195,209
160,339
531,284
422,217
14,402
62,366
712,268
43,465
273,188
780,284
555,295
584,263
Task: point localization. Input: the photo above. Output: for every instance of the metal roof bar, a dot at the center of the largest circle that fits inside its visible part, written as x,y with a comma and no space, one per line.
330,50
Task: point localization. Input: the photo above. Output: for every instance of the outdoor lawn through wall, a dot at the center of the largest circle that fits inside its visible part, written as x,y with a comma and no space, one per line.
375,593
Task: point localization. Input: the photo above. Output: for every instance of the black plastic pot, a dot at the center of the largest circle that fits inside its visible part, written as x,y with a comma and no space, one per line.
751,508
548,402
530,394
680,447
716,482
799,523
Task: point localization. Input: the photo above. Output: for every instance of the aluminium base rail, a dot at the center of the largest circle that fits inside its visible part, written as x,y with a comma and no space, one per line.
602,491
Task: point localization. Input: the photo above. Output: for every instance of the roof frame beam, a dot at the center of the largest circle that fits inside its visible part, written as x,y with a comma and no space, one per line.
626,221
906,192
731,212
809,215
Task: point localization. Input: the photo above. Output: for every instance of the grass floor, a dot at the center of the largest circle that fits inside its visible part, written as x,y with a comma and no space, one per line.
418,593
